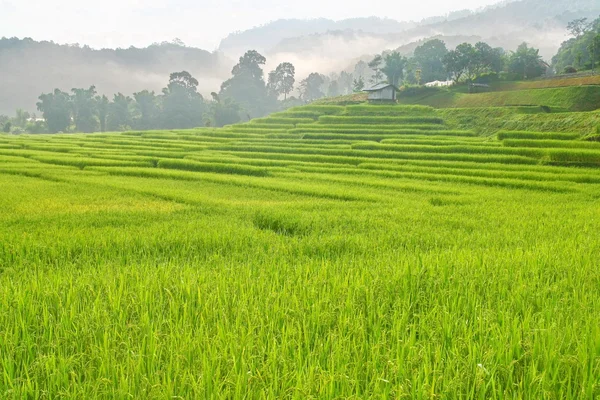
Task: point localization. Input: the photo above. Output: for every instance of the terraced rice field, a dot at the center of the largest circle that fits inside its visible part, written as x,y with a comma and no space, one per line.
323,252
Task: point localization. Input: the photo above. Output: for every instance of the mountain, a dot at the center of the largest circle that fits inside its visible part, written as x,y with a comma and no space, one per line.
325,45
29,68
265,37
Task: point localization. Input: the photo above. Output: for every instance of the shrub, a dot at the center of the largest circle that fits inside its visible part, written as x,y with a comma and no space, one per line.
570,70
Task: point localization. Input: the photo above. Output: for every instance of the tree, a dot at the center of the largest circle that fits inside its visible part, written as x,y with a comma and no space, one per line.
102,104
526,61
119,114
183,106
576,51
358,84
429,58
21,118
225,112
361,70
578,27
147,106
247,86
334,89
394,67
375,65
56,109
281,81
310,88
345,82
7,127
84,109
460,62
594,49
487,59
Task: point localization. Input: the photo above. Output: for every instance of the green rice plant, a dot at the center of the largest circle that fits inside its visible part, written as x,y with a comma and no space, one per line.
321,109
257,131
388,110
502,135
363,120
281,120
467,149
366,131
210,167
501,174
82,162
573,157
572,144
275,266
257,125
382,127
297,114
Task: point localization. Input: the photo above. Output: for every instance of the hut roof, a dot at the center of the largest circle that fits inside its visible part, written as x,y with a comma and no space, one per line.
379,86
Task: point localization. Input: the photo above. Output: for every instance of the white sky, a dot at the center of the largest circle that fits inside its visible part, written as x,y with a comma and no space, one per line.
199,23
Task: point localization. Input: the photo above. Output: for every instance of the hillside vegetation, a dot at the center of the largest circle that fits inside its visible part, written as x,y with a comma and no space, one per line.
324,252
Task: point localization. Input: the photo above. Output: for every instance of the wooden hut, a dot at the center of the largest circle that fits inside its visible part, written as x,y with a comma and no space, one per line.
382,93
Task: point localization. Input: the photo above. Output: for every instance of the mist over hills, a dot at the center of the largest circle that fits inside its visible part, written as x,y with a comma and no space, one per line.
29,68
541,23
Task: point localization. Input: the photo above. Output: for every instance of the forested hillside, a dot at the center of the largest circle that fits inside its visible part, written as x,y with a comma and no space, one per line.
29,68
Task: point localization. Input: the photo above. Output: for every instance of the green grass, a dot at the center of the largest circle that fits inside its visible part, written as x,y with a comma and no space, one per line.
272,263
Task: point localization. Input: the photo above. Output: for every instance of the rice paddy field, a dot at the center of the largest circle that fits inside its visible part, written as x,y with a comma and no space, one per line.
325,252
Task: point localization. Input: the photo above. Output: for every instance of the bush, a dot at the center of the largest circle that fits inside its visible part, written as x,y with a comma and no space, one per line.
413,91
570,70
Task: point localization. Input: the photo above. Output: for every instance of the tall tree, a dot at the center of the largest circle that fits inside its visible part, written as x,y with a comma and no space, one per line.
84,109
183,106
281,81
375,65
358,85
575,52
147,107
393,67
247,86
21,117
578,27
526,61
56,109
345,82
487,59
310,87
594,49
460,62
429,58
102,104
225,112
334,89
119,113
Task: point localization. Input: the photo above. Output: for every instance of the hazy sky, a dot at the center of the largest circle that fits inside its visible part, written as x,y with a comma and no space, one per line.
199,23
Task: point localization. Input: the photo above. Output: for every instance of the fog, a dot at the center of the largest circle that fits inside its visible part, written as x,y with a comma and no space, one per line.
29,68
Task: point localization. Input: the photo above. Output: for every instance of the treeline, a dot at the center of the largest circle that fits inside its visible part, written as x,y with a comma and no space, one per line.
244,96
432,61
